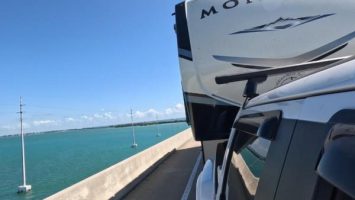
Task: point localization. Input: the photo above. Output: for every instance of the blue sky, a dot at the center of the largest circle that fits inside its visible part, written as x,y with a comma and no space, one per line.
87,62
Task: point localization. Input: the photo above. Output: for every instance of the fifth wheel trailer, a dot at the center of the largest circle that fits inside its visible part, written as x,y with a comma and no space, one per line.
243,61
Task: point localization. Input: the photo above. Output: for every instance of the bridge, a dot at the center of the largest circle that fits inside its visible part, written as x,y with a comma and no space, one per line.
166,170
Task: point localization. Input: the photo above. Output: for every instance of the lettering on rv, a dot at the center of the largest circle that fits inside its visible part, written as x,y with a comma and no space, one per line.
226,5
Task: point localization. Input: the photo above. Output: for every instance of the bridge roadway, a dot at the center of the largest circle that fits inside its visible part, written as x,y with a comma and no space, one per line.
174,178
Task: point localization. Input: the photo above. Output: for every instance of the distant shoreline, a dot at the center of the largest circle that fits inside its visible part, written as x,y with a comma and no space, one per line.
148,123
145,123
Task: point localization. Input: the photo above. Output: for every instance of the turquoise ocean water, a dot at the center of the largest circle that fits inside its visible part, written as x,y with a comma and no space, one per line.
57,160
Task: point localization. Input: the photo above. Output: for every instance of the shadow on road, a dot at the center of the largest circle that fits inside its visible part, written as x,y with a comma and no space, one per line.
168,180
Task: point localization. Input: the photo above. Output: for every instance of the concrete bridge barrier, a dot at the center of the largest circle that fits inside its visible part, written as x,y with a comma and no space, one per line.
120,178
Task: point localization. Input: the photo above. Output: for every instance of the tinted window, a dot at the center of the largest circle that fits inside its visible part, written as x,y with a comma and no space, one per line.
246,168
326,191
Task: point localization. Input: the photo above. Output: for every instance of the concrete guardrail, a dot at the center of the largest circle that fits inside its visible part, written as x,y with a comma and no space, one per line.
120,178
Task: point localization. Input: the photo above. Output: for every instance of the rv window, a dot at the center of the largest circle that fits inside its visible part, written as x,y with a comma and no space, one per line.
246,168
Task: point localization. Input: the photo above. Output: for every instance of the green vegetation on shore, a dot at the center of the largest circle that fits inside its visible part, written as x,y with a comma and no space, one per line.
150,123
111,126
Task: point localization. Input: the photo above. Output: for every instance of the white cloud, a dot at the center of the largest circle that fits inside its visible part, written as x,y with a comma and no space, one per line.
180,107
177,109
25,125
98,116
43,122
70,119
15,126
151,113
88,118
139,114
147,113
109,115
101,118
7,127
169,111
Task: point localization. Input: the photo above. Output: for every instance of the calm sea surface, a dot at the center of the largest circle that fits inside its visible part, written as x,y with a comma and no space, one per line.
57,160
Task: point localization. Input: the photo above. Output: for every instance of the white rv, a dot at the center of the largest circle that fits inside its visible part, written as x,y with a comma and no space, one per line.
270,87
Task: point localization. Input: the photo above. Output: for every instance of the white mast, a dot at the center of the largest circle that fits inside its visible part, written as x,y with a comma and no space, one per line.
157,124
134,144
24,187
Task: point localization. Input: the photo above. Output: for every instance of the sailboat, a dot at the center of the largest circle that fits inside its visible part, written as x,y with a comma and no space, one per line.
157,124
24,187
134,144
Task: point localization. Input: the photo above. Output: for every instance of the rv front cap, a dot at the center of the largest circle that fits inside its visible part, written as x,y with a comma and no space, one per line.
226,5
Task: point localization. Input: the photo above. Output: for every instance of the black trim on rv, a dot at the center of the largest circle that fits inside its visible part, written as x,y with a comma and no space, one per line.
182,32
210,119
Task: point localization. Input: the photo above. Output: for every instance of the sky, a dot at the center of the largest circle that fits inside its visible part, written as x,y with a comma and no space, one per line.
85,63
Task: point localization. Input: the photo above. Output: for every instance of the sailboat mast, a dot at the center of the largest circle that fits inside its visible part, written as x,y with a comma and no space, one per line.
24,187
23,145
157,124
134,137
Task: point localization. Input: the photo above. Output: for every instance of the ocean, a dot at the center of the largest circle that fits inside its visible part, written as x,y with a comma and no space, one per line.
56,160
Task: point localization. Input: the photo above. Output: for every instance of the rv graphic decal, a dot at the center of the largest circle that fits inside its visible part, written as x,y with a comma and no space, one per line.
283,23
313,55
